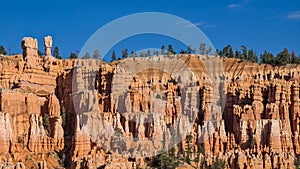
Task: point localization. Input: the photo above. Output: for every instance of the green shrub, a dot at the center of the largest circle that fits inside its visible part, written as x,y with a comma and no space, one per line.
46,122
219,164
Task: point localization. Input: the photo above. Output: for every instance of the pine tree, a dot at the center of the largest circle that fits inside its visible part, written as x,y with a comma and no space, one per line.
294,59
228,52
188,151
40,53
162,50
252,56
73,55
171,50
56,53
189,50
283,57
46,121
216,52
63,115
182,51
142,54
2,50
86,56
208,51
238,54
96,54
168,159
220,53
244,52
148,53
267,58
132,54
155,53
202,48
113,56
125,54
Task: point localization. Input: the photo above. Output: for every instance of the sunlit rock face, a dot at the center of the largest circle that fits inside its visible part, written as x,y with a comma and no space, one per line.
85,113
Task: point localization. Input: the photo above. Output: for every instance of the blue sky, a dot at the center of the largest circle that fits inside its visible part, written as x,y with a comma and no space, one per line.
260,25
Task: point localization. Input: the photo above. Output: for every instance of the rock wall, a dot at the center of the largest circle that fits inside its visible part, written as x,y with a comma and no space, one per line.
89,114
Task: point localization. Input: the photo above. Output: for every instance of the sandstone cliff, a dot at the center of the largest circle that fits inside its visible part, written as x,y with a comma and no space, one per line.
92,114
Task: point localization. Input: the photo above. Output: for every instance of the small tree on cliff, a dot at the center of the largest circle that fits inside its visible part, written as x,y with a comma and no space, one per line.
294,59
142,54
202,48
63,115
40,53
297,162
86,56
2,50
171,50
96,54
46,122
73,56
113,56
155,53
132,54
267,58
188,150
56,53
148,54
244,52
166,160
125,54
208,51
227,52
283,57
162,50
238,54
252,56
189,50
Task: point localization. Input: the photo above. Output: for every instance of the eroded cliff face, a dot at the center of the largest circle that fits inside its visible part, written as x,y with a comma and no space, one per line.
91,114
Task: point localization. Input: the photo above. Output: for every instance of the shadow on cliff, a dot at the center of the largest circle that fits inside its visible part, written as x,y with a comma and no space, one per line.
63,92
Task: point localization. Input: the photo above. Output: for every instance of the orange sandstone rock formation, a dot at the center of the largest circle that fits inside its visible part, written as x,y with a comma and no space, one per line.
73,113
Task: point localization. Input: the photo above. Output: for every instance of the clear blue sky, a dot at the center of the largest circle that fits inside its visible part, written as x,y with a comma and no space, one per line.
258,24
